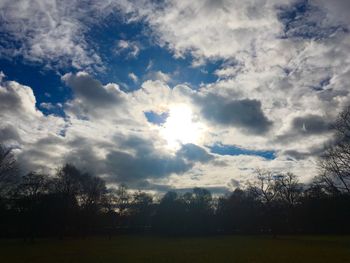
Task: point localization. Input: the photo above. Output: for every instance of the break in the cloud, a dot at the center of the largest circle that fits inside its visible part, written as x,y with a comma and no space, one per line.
282,68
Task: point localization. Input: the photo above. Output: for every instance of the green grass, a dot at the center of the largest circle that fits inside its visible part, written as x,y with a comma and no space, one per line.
124,249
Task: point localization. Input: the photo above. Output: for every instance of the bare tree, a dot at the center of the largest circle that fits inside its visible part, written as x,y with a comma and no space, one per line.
92,191
335,162
123,199
8,170
33,184
264,188
289,188
68,180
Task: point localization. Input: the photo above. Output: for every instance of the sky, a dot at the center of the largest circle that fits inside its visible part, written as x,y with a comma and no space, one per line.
173,94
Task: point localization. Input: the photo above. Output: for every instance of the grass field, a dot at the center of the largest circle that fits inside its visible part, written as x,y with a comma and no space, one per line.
297,249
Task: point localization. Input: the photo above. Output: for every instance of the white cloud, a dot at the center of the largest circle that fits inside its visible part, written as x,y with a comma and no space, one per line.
209,29
50,32
130,48
158,75
133,77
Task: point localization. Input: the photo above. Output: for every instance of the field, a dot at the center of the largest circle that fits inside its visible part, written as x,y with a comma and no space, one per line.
123,249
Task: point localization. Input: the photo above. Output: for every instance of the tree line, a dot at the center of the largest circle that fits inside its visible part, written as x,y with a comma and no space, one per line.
74,203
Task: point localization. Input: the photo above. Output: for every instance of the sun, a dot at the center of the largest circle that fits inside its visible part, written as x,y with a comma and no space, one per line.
181,127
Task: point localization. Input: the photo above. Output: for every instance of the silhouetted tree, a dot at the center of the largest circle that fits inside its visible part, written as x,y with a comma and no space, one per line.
288,188
68,180
91,192
8,171
239,212
335,162
170,217
77,203
33,184
122,198
142,210
264,187
199,210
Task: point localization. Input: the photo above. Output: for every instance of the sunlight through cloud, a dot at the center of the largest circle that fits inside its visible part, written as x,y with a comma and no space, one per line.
181,127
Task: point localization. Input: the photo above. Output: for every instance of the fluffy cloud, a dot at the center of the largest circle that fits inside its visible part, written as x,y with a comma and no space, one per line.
128,152
125,147
50,32
188,26
91,98
8,133
22,124
91,91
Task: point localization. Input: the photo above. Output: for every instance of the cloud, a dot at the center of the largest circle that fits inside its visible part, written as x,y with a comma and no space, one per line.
130,48
49,32
133,77
195,153
116,141
146,161
337,10
131,169
8,133
22,124
51,106
91,98
92,91
187,27
158,75
283,71
305,126
306,20
246,114
17,98
311,124
127,152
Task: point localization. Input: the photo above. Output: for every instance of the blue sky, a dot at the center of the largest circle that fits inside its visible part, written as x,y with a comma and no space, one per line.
104,37
202,91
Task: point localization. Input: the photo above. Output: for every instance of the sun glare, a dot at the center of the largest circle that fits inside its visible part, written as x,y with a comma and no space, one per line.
181,127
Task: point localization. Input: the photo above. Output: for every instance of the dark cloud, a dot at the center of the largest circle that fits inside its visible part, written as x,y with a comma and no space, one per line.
147,162
301,155
307,125
140,145
195,153
8,133
10,100
234,183
310,124
132,160
163,188
245,113
92,91
130,168
314,151
216,190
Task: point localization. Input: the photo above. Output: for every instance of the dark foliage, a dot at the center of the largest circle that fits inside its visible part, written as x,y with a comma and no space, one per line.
73,203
